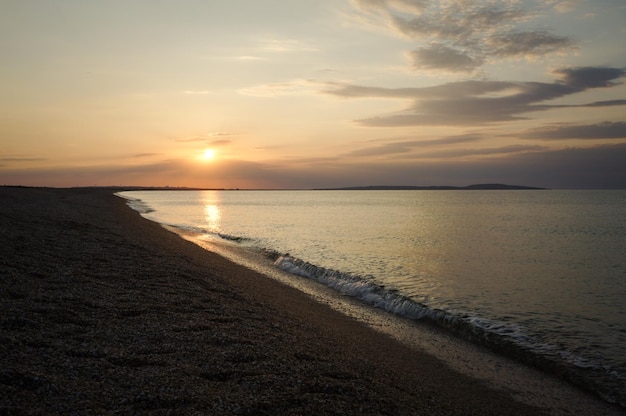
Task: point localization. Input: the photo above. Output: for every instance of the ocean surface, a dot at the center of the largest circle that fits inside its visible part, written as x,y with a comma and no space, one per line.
539,275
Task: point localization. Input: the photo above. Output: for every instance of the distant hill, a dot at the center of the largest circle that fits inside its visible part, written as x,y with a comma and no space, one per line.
483,186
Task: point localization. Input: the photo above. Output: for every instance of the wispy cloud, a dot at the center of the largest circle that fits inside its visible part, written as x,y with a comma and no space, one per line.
406,146
294,87
566,6
220,134
563,131
590,167
8,160
209,138
266,49
481,102
197,92
21,159
191,139
221,142
607,103
487,151
249,58
285,45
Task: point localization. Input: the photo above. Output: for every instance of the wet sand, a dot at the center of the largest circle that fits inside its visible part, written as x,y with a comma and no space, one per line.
104,312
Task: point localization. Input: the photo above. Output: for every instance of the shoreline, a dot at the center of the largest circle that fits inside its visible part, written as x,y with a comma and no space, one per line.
104,311
527,382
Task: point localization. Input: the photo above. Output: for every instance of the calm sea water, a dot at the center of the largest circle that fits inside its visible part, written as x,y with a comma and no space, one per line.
540,275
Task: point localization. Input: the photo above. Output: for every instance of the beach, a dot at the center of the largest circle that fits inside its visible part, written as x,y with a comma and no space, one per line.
104,312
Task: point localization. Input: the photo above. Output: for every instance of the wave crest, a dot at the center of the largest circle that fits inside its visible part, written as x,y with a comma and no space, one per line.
501,337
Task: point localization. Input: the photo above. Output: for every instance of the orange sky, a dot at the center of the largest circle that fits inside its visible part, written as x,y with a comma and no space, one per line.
313,93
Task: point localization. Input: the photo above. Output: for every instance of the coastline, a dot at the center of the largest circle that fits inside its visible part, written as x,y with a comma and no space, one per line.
104,311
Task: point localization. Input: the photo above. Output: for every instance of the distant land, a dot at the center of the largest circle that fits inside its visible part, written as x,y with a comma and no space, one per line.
482,186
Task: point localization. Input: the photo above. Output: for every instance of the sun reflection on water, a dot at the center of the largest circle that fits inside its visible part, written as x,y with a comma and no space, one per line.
212,213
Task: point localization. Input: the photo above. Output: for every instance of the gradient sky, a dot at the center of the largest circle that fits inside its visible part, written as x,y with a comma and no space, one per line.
313,93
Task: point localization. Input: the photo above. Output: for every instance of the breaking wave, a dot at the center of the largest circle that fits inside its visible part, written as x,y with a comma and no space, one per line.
501,337
214,234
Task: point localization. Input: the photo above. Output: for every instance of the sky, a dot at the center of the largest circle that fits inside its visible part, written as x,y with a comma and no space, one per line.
313,93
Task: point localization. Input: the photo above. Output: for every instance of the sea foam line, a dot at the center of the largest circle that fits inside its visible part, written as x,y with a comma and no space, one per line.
502,337
136,204
378,296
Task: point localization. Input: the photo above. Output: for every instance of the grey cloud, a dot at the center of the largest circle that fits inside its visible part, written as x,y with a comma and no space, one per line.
565,6
425,27
599,167
520,44
406,146
432,119
438,56
608,103
415,5
470,33
461,138
389,148
483,152
604,130
481,102
590,77
458,22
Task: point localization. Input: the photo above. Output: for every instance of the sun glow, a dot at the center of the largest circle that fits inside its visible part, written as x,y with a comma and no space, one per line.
208,154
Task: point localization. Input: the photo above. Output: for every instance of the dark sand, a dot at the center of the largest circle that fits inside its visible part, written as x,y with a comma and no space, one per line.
104,312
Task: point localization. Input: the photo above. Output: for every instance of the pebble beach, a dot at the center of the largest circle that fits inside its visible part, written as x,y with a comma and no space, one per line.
105,312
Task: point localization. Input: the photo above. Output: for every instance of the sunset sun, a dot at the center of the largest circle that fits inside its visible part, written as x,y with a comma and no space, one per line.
208,154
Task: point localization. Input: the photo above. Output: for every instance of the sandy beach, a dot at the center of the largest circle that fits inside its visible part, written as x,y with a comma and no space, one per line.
104,312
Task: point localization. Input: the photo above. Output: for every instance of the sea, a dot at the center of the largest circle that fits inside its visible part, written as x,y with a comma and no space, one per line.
537,275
